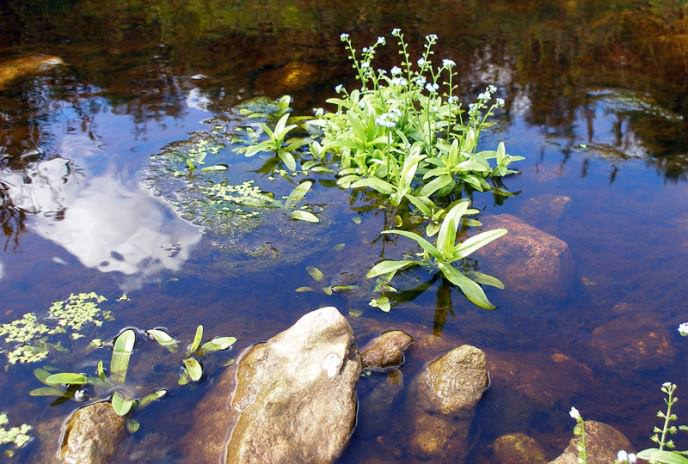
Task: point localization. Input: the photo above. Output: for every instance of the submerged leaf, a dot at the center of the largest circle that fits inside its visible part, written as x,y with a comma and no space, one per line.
133,425
218,344
381,303
197,340
148,399
47,391
301,215
472,290
121,353
298,194
121,404
304,290
66,378
315,273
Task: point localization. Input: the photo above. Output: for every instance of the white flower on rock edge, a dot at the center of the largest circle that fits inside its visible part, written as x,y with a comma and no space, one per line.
574,413
683,329
626,458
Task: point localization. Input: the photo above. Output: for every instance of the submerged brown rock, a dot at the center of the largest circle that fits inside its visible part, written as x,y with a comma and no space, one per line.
446,394
91,435
517,448
294,399
386,350
602,442
531,262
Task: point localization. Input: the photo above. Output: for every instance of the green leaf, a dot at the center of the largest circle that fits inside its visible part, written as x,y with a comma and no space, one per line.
184,378
447,235
658,456
476,242
288,159
215,167
344,288
121,404
42,375
389,266
218,344
66,378
121,353
164,339
408,170
46,391
196,341
133,425
327,290
301,215
436,184
304,290
148,399
298,194
485,279
381,303
472,290
100,370
424,244
193,368
379,185
315,273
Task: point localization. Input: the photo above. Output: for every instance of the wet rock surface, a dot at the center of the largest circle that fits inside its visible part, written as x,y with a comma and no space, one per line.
442,402
387,350
602,442
517,448
375,413
91,435
633,341
531,262
294,398
545,210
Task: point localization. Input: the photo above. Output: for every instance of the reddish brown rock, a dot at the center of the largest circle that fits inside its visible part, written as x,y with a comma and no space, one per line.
633,341
602,442
532,263
387,350
545,210
517,448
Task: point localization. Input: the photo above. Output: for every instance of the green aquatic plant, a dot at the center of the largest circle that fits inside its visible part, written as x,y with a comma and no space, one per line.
15,437
579,433
443,255
666,452
30,339
192,368
402,133
73,385
318,277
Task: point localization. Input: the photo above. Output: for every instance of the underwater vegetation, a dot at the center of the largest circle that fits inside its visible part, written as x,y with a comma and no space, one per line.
12,437
30,338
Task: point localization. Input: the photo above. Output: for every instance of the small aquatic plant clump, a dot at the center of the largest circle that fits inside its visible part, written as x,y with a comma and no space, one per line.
30,339
13,436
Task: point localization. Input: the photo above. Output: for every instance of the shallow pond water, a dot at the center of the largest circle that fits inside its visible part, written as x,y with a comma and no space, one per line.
596,99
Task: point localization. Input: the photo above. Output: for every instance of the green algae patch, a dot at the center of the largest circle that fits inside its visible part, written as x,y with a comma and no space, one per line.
31,338
15,437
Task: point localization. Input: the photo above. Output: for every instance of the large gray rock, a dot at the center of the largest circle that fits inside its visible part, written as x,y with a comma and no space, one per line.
602,442
294,398
90,435
531,262
446,394
386,350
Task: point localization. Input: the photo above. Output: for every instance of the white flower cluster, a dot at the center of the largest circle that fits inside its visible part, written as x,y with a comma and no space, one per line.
448,63
388,119
683,329
400,81
432,88
575,414
396,70
344,37
624,457
396,32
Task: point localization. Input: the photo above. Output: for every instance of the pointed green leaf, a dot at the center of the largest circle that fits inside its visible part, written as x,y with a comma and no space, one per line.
218,344
133,425
148,399
470,289
447,235
215,168
424,244
121,353
164,339
121,404
301,215
66,378
197,340
485,279
100,370
288,159
476,242
375,183
436,184
298,194
304,290
381,303
344,288
193,368
657,456
42,375
389,266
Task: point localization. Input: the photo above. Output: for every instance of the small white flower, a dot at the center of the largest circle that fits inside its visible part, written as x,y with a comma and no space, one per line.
499,102
382,72
451,100
448,63
683,329
491,88
318,111
632,458
432,88
365,50
396,32
344,37
381,41
574,413
420,81
622,456
395,70
339,88
431,37
365,65
421,62
400,81
484,96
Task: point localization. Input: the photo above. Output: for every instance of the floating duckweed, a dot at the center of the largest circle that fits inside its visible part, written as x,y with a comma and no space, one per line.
15,436
77,310
24,329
